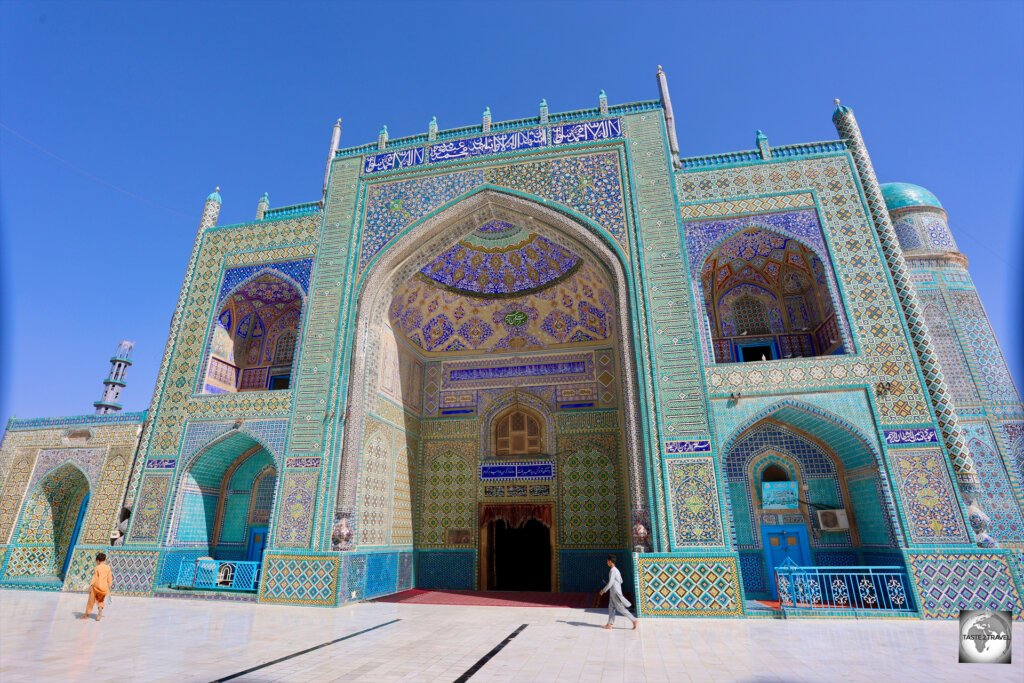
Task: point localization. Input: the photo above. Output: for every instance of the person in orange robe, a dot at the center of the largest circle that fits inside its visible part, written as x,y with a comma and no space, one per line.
99,589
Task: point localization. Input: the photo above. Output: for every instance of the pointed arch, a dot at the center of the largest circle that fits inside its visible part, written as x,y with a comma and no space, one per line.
422,242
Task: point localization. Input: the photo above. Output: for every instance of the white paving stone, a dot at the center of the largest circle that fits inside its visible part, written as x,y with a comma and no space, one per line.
152,639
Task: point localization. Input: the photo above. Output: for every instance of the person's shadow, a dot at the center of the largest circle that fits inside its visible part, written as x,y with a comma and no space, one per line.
79,615
578,623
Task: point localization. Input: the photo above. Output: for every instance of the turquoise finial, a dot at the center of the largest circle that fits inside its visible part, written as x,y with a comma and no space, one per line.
543,101
840,109
487,111
602,95
214,196
383,130
433,120
266,196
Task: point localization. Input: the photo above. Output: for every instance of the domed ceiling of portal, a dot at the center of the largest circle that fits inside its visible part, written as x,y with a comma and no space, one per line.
501,260
763,257
575,308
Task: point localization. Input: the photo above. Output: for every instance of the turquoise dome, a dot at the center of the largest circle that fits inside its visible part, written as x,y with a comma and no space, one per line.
899,195
214,196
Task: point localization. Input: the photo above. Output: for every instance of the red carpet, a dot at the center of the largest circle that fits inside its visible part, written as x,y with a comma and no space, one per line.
494,598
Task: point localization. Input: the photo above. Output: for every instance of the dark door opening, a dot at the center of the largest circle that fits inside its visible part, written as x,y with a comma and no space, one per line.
754,353
520,557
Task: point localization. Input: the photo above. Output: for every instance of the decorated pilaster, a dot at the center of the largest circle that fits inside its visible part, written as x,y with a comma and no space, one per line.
942,402
761,140
544,111
211,211
487,120
432,129
602,103
115,381
382,137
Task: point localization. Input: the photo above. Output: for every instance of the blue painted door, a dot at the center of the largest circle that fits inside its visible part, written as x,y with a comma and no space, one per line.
257,542
74,536
784,541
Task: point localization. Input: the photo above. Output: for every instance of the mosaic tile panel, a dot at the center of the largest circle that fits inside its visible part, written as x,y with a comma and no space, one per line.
688,586
947,346
948,582
930,505
14,492
752,568
295,511
133,570
381,574
300,579
105,501
393,206
30,561
375,484
997,498
448,494
992,372
148,514
694,495
446,570
586,571
588,501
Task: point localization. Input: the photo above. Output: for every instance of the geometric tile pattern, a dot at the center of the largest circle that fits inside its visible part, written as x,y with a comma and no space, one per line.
951,581
997,498
105,501
446,569
688,586
148,514
447,496
304,579
133,570
14,491
752,568
929,504
589,500
381,574
993,374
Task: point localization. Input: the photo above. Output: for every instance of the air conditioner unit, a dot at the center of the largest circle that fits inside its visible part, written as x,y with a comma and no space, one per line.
833,520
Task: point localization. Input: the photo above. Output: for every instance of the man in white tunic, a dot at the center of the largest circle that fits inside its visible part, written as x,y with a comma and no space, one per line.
616,601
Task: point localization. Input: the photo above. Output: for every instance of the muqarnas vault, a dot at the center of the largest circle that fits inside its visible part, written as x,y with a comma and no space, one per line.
487,357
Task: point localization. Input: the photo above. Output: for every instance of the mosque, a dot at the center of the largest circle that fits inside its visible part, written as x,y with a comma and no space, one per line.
485,358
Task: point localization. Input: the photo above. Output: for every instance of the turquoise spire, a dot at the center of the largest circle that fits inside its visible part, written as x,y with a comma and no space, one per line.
214,196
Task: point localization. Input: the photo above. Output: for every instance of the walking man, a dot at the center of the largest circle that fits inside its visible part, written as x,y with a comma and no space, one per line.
99,589
616,601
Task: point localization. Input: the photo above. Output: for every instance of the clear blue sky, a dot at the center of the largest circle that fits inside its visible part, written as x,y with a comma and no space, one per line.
165,101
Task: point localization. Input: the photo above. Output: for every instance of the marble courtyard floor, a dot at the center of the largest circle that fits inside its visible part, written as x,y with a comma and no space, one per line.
156,639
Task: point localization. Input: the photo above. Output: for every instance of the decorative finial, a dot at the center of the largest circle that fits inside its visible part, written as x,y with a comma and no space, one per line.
338,122
487,111
659,68
217,189
836,101
543,101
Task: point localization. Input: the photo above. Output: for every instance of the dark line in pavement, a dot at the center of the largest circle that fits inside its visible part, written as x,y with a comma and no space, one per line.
308,649
487,657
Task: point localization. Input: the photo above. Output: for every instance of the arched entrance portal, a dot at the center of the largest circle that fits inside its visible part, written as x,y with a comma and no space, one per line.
493,373
806,487
50,523
224,502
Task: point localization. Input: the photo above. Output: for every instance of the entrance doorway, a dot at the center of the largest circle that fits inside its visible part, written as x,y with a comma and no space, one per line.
782,542
517,548
257,543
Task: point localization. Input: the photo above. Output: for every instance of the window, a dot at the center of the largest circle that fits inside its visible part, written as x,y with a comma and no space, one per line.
517,433
285,348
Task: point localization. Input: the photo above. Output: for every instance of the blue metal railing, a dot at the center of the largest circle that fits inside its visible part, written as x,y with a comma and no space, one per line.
218,575
859,588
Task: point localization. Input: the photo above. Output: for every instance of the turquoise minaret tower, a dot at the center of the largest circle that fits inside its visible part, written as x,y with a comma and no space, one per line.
984,396
114,383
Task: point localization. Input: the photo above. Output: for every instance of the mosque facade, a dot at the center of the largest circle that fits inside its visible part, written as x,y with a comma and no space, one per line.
485,358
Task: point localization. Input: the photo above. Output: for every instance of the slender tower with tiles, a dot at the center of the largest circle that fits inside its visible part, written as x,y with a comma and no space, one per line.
983,392
115,381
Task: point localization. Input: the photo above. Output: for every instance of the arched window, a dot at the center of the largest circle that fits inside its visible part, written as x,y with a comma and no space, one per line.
774,473
517,433
285,348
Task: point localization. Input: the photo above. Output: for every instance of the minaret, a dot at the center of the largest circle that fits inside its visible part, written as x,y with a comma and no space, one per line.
114,382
